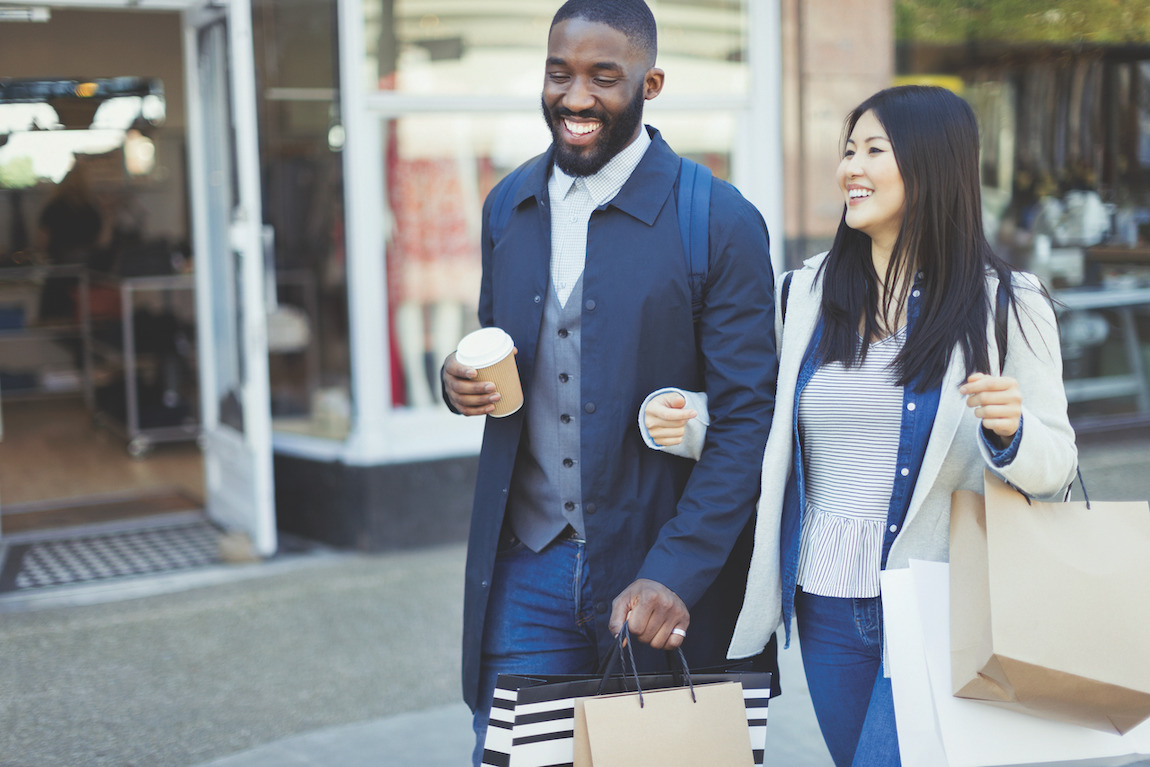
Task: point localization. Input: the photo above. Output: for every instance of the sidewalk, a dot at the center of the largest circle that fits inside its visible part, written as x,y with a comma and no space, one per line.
339,660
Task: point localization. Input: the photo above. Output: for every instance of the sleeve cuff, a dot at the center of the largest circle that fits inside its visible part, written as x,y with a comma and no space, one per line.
1001,456
696,430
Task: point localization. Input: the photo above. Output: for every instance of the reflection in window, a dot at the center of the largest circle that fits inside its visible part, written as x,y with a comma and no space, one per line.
438,47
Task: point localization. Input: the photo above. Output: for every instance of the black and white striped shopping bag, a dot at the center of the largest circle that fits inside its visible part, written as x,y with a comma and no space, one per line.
532,720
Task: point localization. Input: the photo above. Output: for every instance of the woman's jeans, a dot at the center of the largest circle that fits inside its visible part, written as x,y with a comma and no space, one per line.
841,642
539,619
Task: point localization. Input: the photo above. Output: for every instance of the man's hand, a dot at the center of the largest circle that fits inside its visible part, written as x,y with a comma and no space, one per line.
651,611
997,401
666,418
467,395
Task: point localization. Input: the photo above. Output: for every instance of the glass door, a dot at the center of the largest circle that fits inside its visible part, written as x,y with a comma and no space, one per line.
229,266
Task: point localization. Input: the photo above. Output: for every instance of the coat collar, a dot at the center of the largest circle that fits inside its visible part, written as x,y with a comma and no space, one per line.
645,192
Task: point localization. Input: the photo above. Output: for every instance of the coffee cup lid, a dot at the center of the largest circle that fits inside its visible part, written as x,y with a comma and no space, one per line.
483,348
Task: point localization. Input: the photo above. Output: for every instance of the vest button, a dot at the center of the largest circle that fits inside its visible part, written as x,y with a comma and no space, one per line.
563,377
568,462
562,332
570,506
565,418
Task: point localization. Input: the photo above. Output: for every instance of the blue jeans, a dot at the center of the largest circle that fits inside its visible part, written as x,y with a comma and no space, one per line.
539,619
841,642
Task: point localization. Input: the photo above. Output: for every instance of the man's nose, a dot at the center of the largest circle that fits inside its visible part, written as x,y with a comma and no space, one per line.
578,97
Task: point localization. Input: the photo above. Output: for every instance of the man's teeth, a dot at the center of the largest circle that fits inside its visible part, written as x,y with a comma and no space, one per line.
857,193
581,129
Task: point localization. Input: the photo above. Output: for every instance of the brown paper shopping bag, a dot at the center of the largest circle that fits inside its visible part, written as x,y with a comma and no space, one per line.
670,728
1050,606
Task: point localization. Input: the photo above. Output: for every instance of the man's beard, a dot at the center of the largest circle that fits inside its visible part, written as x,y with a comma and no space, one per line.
614,135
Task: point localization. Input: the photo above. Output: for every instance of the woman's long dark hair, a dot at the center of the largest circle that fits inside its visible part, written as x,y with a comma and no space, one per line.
934,135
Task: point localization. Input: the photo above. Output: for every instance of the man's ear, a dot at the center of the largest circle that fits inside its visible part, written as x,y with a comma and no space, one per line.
652,83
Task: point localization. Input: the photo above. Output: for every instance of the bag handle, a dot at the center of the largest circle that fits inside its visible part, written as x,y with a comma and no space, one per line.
622,652
1081,483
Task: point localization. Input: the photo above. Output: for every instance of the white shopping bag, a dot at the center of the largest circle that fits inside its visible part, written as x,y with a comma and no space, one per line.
937,729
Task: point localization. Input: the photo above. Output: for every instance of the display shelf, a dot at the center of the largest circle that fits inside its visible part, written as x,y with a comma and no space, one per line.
153,399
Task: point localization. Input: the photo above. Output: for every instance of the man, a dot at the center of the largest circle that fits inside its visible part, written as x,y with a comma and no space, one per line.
577,526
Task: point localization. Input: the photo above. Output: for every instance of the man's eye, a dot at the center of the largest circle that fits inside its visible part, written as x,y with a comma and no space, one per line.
557,77
606,81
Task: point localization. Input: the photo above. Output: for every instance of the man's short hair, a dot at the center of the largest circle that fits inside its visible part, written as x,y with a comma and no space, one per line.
631,17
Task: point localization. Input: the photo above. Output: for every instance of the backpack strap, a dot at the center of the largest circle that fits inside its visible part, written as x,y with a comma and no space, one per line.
502,208
694,207
1001,314
786,294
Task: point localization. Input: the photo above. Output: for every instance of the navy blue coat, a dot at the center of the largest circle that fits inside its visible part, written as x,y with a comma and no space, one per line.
647,514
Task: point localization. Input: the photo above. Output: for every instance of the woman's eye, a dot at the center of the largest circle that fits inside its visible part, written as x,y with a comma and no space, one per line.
848,154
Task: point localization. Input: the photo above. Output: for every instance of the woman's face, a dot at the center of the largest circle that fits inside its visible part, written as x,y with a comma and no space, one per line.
871,184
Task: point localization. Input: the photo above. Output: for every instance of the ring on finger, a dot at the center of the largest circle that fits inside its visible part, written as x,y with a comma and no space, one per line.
679,632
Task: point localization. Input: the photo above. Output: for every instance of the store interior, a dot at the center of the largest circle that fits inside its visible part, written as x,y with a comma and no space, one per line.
98,368
93,251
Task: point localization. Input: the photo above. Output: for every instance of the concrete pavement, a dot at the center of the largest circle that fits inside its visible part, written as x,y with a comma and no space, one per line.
321,659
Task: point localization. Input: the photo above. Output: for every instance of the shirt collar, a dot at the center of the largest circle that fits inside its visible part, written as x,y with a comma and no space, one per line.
605,183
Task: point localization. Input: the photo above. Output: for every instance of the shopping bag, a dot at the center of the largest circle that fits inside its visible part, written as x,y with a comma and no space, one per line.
533,718
700,726
1050,606
937,729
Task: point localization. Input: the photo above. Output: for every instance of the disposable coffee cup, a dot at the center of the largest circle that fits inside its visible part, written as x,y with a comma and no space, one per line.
488,350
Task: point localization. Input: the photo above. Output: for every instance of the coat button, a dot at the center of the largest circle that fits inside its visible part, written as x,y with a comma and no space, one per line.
590,305
589,508
589,407
601,608
538,299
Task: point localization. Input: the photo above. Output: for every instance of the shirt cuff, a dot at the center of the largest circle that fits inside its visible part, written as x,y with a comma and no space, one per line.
1002,456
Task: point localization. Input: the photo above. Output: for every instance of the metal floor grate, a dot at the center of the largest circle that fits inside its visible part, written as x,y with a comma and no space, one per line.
93,557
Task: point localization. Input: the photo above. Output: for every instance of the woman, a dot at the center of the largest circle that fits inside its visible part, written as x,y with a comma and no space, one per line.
891,395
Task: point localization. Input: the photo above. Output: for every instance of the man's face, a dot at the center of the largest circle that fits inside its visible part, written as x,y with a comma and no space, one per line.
593,92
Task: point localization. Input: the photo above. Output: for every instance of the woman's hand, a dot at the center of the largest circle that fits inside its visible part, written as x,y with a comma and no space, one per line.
996,400
666,418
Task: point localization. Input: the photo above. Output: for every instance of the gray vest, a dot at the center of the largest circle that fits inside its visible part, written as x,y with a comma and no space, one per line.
546,491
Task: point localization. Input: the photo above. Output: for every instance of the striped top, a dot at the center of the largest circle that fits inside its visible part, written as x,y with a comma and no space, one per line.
850,420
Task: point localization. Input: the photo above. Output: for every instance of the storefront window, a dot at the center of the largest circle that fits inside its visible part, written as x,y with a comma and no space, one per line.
300,135
442,47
